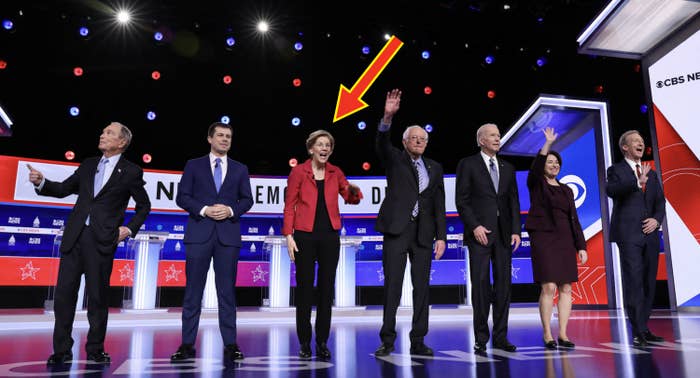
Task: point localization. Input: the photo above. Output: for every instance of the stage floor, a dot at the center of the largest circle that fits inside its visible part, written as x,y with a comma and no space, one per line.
140,345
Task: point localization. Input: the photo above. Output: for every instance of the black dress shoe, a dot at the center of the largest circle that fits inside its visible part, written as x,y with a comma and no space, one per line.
505,345
566,343
639,341
551,344
232,353
653,338
184,352
384,350
305,351
59,358
480,347
100,357
322,351
421,349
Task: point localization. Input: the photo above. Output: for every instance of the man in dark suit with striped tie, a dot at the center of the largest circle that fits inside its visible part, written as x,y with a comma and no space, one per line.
639,208
486,195
94,228
412,219
215,191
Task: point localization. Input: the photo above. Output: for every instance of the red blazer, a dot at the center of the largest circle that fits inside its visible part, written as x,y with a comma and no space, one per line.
300,199
540,217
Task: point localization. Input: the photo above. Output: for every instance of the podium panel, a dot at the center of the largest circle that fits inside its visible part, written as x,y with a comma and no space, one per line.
81,302
280,266
145,249
345,274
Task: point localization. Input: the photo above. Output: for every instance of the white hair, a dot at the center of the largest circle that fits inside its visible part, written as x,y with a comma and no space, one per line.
480,131
408,130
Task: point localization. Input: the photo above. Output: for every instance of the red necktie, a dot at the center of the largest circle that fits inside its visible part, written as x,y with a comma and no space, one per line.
639,175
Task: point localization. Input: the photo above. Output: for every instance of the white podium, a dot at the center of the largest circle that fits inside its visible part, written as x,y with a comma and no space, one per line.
145,248
345,274
81,303
280,264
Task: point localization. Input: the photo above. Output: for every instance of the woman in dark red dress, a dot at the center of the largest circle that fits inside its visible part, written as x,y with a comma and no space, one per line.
555,239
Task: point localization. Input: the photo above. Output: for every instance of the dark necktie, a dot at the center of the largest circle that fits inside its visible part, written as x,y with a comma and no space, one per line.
494,173
217,174
422,183
639,175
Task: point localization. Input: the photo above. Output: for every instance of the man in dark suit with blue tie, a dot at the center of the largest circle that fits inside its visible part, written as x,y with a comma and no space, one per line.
412,219
215,191
639,208
93,231
486,195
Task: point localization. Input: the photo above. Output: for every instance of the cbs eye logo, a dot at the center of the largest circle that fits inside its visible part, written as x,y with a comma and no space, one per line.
670,82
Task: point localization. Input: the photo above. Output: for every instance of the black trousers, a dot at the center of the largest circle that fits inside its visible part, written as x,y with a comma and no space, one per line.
324,249
498,256
639,266
395,251
83,258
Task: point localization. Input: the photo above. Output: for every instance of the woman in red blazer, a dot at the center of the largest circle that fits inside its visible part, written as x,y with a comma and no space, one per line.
555,239
311,224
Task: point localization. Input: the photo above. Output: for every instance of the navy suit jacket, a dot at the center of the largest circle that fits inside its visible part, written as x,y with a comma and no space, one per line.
631,206
106,209
197,189
478,202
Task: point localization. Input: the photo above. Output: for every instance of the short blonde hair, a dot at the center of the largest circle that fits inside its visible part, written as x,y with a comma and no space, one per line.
623,138
311,140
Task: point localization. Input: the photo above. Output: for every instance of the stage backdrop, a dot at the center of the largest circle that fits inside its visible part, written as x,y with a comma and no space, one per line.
29,224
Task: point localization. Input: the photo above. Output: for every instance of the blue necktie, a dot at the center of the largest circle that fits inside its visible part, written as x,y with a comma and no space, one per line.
99,175
217,174
494,174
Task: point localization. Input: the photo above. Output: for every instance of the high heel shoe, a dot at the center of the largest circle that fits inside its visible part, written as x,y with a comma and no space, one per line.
551,344
566,343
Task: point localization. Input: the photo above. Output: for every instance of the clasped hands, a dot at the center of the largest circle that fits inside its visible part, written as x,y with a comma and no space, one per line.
218,212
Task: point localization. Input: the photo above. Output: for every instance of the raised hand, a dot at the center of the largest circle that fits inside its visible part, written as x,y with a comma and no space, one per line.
35,176
549,135
392,104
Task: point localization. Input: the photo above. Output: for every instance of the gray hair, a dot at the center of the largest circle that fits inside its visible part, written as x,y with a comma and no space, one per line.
124,134
311,140
408,130
623,138
480,131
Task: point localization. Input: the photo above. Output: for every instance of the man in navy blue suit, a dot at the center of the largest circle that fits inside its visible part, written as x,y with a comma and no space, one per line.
638,210
215,191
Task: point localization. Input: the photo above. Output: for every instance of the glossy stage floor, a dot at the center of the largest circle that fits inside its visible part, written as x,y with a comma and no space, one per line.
140,345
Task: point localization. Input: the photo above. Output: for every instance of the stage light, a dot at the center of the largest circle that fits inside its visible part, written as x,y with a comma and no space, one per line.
83,31
123,17
296,121
541,61
230,42
293,162
427,90
296,82
429,128
158,36
540,19
647,151
70,155
643,109
365,50
637,67
361,125
491,94
506,6
599,89
146,158
77,71
227,79
298,46
263,26
366,166
155,75
151,115
7,24
425,54
489,59
3,64
225,119
387,36
74,111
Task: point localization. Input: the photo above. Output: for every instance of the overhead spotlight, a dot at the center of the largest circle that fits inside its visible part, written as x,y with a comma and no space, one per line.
293,162
155,75
227,79
225,119
74,111
158,36
599,89
3,64
425,54
366,166
489,59
298,46
77,71
466,45
427,90
123,17
429,128
361,125
491,94
506,6
147,158
541,61
365,50
643,109
83,31
230,42
296,82
263,26
70,155
387,36
296,121
7,24
151,115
